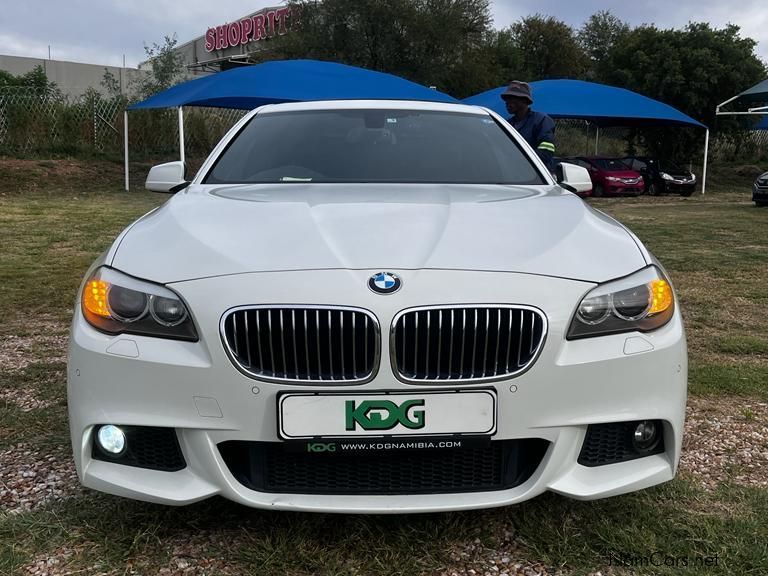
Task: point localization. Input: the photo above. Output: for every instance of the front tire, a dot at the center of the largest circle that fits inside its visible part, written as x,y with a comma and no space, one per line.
687,193
761,203
597,191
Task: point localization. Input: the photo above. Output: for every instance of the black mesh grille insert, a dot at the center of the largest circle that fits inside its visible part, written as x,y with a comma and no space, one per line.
146,447
274,467
304,344
470,343
612,443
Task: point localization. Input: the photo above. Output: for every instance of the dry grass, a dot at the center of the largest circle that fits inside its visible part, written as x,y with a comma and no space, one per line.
55,217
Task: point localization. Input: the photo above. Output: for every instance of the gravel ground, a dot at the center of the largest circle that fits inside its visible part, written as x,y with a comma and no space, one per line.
184,551
55,564
726,439
24,399
474,559
30,479
18,352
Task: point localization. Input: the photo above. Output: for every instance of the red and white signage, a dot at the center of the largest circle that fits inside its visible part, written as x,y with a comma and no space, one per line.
251,29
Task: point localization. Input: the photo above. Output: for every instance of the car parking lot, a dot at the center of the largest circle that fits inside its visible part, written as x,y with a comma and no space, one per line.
713,514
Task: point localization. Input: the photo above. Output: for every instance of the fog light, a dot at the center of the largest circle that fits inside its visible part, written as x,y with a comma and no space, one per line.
645,436
111,439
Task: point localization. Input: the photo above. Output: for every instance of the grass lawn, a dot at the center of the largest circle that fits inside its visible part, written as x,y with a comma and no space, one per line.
53,224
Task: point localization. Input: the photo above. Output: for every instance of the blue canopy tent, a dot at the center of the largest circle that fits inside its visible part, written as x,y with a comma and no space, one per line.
599,104
272,82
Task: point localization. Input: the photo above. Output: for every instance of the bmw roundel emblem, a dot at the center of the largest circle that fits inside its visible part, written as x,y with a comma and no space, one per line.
384,283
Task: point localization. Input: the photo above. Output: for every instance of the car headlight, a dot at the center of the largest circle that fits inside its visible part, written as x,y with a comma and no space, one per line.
642,301
665,176
612,179
116,303
693,176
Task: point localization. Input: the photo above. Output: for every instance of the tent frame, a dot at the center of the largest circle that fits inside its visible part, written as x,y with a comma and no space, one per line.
182,155
706,155
757,111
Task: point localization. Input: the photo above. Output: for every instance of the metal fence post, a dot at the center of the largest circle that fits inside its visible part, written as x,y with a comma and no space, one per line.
125,148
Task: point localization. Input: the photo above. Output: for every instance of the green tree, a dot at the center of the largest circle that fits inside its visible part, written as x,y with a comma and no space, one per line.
507,58
166,67
449,38
548,48
35,81
693,69
434,42
597,37
111,84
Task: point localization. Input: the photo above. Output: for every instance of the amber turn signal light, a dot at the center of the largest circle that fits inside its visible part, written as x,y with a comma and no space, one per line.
95,298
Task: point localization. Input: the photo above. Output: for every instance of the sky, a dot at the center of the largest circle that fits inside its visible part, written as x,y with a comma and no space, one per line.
103,31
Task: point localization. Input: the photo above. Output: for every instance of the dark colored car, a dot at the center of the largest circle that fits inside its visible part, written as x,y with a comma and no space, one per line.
610,176
760,190
662,176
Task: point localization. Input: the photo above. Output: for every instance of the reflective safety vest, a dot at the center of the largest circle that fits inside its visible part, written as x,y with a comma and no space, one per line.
538,129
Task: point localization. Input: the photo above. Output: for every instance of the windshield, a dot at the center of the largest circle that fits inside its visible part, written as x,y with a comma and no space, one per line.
373,145
611,165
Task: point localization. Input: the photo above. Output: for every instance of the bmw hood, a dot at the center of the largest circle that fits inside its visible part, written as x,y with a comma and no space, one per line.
209,231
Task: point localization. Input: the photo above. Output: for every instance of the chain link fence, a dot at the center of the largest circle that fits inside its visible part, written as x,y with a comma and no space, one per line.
49,124
579,138
34,124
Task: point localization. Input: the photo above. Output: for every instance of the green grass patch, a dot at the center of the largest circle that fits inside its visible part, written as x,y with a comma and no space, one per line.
727,379
44,427
743,345
53,224
675,522
49,242
668,526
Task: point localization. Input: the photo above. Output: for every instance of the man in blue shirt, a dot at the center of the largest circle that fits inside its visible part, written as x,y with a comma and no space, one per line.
536,128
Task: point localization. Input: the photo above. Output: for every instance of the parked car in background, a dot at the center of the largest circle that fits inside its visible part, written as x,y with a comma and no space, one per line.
662,176
610,176
760,190
559,173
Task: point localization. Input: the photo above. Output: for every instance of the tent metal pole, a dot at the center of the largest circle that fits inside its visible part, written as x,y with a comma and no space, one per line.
717,109
125,148
742,113
181,134
586,145
706,156
597,138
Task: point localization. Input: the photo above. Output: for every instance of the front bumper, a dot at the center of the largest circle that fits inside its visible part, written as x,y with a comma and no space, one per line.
760,192
195,389
622,188
678,186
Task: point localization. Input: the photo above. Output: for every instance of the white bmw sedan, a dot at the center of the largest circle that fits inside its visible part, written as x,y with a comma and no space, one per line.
375,306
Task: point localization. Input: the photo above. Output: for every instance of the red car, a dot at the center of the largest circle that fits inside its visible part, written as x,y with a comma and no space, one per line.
611,177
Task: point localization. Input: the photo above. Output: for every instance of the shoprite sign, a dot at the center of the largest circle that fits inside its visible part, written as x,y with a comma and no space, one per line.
251,29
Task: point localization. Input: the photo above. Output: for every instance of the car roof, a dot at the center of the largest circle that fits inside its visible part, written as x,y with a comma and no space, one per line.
376,104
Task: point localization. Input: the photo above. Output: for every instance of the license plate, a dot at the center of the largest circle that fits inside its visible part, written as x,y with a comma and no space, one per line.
384,414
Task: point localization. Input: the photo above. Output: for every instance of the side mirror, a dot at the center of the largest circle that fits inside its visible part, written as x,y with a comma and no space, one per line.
575,178
167,178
